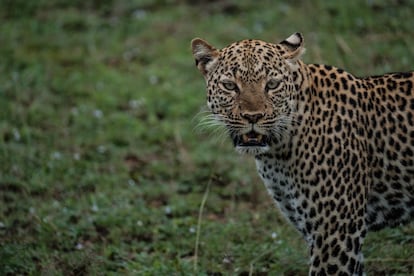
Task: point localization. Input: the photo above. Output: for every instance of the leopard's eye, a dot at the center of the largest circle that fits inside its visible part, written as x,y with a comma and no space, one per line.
272,84
229,85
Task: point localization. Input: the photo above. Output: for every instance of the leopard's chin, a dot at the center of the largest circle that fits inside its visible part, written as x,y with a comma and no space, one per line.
252,143
252,150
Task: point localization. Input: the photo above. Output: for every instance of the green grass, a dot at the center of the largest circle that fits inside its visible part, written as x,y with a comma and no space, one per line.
103,167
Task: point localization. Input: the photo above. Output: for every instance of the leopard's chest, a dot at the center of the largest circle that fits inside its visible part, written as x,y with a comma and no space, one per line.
282,187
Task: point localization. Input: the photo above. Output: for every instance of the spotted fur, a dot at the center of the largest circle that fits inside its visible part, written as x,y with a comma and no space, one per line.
335,151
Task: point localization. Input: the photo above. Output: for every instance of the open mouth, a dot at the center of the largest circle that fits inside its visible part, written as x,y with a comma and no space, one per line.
251,139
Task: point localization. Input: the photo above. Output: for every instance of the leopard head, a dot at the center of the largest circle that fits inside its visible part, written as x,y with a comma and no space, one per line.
251,88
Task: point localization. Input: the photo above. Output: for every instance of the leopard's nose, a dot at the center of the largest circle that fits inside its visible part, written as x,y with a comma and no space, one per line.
252,117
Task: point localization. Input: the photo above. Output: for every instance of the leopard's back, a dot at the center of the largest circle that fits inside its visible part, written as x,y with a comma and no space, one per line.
391,140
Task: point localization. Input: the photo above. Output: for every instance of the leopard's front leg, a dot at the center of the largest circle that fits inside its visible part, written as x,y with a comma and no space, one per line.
337,253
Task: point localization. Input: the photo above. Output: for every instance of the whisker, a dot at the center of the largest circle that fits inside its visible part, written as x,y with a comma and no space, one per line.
213,124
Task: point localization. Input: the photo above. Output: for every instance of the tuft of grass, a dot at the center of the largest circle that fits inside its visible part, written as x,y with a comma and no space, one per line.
103,169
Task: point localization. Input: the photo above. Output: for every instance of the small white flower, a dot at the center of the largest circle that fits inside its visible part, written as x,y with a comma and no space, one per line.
56,155
167,210
153,79
16,135
94,208
79,246
101,149
97,113
131,54
32,210
227,260
131,182
192,230
76,156
15,76
274,235
135,104
74,111
139,14
140,223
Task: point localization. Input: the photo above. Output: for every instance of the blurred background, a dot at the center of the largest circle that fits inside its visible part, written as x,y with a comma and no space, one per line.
104,163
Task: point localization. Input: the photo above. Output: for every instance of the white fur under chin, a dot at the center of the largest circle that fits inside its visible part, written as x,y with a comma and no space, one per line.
252,150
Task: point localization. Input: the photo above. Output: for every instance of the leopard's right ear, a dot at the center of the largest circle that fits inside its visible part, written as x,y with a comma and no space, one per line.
293,47
204,54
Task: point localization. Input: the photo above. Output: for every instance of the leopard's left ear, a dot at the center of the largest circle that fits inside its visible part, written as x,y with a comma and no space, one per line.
293,47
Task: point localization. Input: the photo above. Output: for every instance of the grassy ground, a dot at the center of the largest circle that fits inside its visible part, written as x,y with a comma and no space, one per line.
103,167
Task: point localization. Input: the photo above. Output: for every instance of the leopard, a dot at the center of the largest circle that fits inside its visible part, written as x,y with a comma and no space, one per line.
335,151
